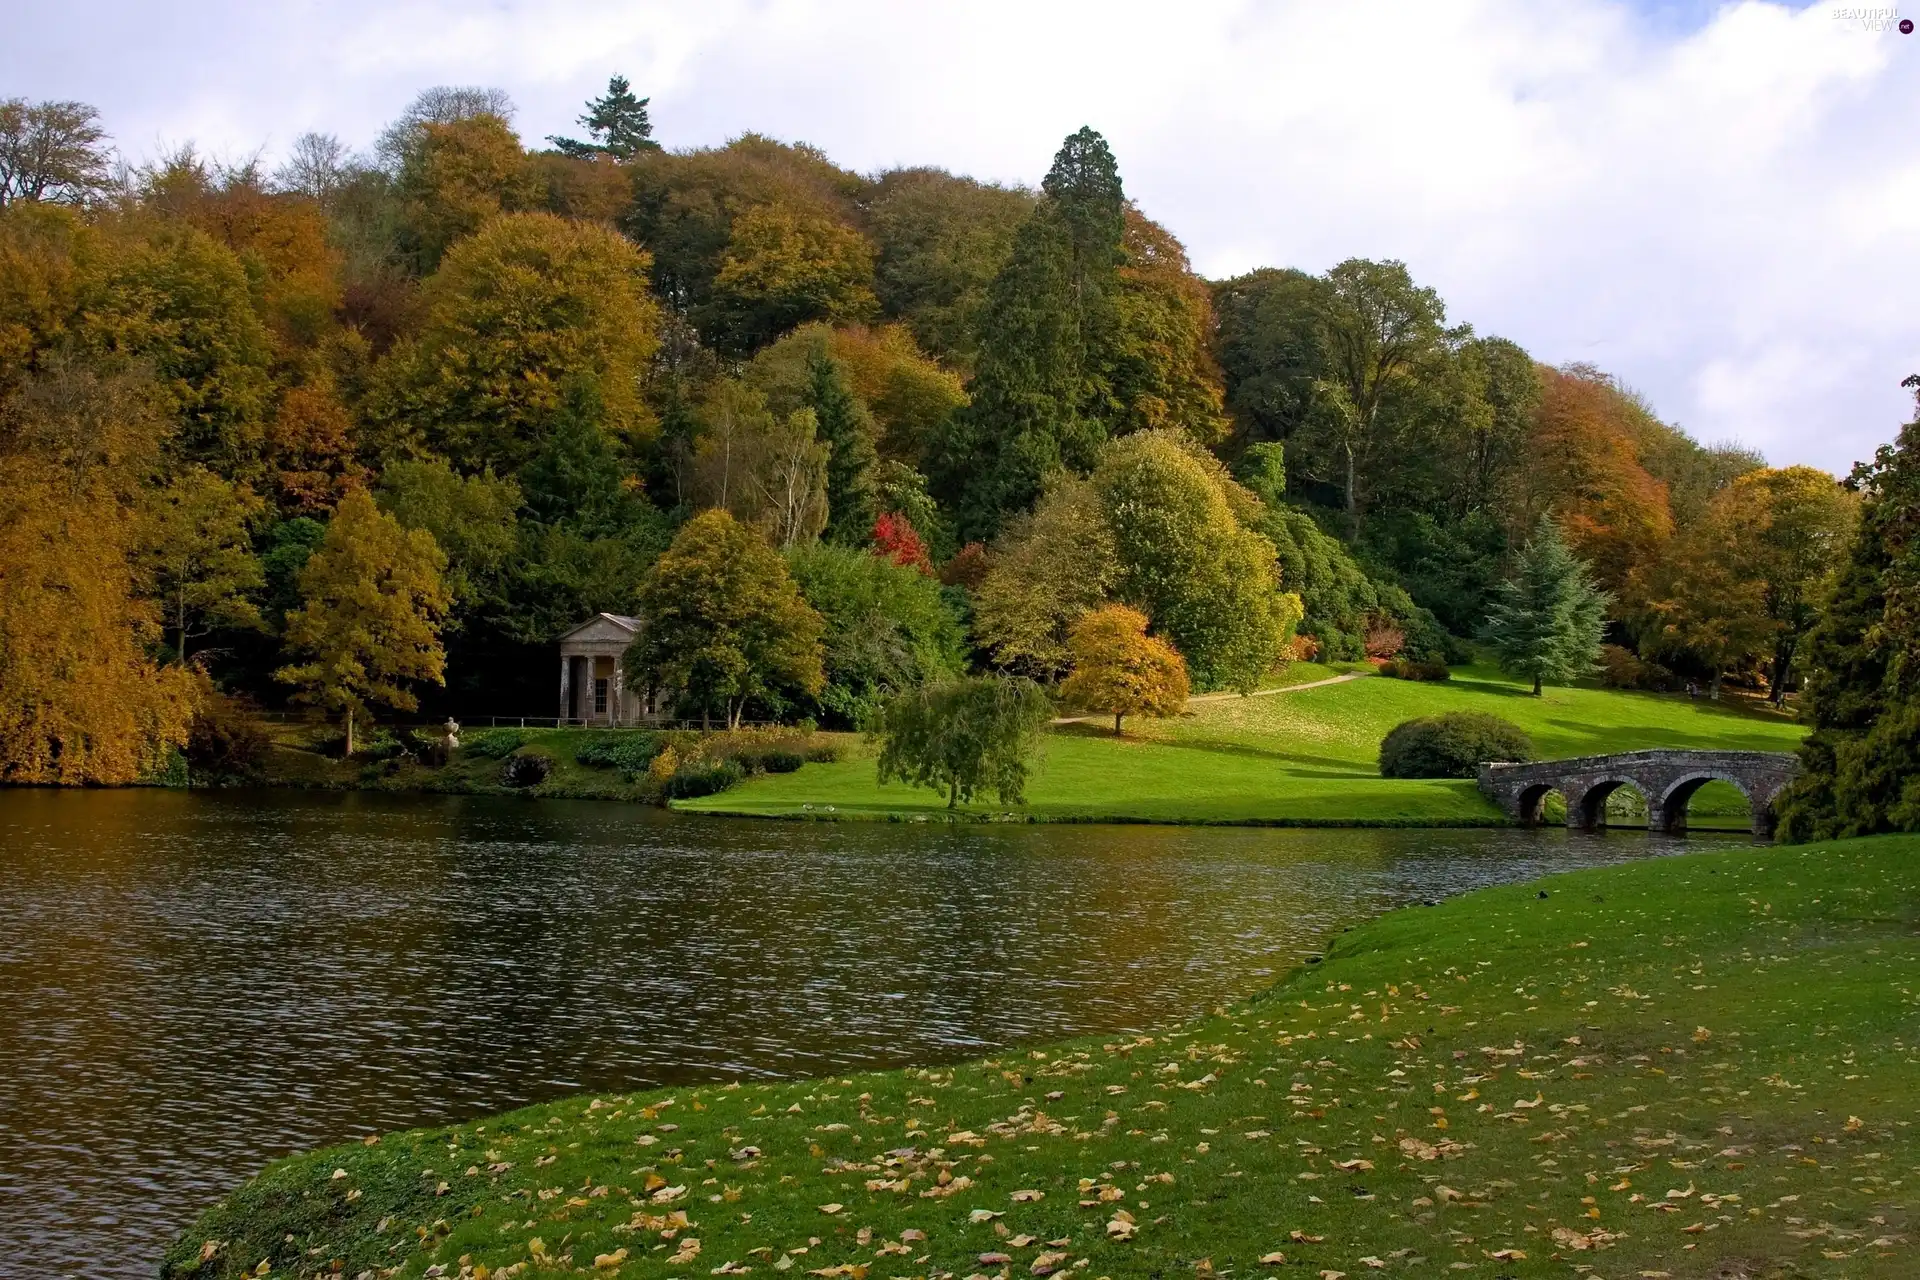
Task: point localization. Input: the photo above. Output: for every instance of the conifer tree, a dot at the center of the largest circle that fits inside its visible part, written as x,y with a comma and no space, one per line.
1037,395
1861,763
1546,620
846,428
617,126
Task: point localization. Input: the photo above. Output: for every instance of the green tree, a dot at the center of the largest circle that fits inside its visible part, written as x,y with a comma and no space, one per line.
1378,326
196,551
964,737
846,428
1210,584
1051,566
768,470
470,518
1547,620
1860,766
1040,386
617,126
1800,522
518,319
725,623
942,239
372,599
1120,670
889,627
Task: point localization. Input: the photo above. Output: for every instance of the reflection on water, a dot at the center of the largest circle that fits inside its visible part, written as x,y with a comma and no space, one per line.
191,985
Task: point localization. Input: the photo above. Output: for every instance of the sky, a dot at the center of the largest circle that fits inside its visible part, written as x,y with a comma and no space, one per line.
1719,204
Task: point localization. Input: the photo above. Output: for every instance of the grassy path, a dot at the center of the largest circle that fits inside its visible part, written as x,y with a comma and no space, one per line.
1705,1066
1303,759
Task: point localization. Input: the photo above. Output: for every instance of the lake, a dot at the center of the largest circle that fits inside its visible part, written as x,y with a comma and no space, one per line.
192,984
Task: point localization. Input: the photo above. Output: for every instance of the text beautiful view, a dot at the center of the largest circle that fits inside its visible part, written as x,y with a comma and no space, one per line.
592,704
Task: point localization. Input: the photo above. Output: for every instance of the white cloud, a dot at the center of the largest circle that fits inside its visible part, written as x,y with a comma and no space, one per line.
1724,215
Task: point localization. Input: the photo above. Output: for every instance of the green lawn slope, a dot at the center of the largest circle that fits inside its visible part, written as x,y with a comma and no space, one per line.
1702,1066
1300,756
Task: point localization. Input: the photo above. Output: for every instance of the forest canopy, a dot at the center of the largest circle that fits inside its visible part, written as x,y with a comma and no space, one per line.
531,377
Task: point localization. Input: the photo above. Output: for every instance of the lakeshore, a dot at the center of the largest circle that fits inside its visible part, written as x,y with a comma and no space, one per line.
1674,1066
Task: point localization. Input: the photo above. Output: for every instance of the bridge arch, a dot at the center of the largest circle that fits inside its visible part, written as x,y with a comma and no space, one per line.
1679,793
1588,809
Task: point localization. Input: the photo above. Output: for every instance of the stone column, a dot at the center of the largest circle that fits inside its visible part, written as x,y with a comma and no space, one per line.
566,677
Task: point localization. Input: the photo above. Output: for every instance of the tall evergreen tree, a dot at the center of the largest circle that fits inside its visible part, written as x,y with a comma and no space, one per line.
617,126
1861,763
1546,620
846,428
1036,392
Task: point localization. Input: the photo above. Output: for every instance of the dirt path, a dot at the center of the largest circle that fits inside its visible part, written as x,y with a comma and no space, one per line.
1222,697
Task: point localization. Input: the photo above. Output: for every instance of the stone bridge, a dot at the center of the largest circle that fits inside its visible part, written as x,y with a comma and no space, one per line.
1667,778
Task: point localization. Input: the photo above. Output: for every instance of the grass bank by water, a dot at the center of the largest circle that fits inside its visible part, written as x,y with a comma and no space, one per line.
1702,1066
1303,756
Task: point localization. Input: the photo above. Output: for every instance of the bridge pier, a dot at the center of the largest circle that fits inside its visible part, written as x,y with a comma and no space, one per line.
1667,778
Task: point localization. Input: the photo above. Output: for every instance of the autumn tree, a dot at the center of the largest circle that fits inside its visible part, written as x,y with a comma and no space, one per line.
725,623
1547,619
784,266
316,167
196,552
767,470
81,700
617,126
1120,670
453,178
1800,522
52,151
964,737
1156,362
909,396
518,315
368,626
310,457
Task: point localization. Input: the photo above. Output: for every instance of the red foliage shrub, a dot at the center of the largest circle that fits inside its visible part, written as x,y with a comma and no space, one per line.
895,539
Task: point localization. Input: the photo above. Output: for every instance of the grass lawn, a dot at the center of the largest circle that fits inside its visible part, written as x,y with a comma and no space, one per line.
1692,1067
1304,756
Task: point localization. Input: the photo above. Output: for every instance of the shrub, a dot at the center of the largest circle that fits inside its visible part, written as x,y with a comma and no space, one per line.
1623,669
631,753
825,753
1384,637
1302,648
703,779
769,760
226,740
526,768
493,744
1451,745
1408,669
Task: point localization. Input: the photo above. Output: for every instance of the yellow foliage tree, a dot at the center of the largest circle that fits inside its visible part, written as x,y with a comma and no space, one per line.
370,621
1120,670
81,700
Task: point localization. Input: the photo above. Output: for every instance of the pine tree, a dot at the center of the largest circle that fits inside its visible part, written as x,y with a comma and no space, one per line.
847,429
1861,763
1546,621
617,125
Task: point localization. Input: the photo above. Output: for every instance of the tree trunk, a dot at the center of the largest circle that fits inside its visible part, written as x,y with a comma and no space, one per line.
1714,688
1536,686
1116,724
953,794
349,754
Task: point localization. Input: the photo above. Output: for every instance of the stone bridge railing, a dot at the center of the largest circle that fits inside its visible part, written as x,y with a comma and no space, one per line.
1667,778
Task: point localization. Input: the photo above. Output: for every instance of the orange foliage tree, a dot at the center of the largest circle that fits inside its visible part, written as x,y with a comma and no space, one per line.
1120,670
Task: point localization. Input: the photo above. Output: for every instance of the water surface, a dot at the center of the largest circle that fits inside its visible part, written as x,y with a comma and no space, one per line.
193,984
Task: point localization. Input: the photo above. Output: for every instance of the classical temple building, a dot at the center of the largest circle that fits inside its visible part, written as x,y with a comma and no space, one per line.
592,687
